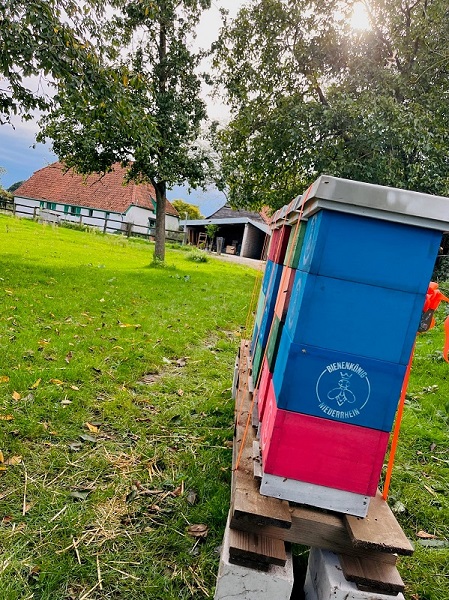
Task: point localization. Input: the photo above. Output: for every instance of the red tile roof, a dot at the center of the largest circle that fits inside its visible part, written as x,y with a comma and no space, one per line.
105,192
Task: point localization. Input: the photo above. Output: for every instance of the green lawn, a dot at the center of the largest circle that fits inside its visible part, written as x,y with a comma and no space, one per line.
116,421
115,414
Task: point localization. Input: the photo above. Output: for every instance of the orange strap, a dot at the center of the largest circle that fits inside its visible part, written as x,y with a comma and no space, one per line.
397,427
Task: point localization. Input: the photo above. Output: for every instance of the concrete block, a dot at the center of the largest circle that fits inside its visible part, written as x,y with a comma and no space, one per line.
325,581
235,582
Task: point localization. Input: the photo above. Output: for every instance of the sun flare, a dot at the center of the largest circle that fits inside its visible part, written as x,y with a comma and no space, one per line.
360,18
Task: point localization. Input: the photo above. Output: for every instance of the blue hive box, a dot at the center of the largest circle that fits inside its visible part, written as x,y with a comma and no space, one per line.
337,386
355,318
371,251
267,305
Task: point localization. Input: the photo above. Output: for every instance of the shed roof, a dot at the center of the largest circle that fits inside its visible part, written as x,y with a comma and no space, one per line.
231,221
226,212
105,192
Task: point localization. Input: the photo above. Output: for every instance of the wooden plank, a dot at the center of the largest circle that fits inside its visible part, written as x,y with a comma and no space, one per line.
246,502
313,528
256,548
235,379
255,416
372,575
379,530
257,465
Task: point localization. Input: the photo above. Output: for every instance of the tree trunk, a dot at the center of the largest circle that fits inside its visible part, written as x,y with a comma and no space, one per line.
159,249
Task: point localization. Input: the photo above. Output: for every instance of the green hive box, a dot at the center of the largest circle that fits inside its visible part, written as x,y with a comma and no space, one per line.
295,244
257,362
273,341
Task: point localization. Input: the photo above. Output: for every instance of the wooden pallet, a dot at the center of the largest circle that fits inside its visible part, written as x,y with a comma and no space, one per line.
369,547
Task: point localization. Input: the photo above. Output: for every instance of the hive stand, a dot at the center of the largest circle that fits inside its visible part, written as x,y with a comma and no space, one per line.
259,526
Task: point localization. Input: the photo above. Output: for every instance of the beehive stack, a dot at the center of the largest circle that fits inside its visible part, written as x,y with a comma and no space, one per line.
334,331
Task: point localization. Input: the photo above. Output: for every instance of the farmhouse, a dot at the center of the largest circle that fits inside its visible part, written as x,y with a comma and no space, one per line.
103,201
243,232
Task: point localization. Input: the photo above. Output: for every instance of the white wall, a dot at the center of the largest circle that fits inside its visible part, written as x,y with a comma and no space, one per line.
138,216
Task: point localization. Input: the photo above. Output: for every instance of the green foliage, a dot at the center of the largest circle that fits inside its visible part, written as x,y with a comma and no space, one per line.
12,188
197,256
183,208
211,230
310,95
147,105
46,38
78,226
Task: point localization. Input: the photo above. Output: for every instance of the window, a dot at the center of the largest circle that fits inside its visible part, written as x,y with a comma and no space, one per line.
91,212
66,208
75,210
50,205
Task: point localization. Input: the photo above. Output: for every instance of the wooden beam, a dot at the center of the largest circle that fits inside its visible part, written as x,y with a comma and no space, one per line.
379,530
372,574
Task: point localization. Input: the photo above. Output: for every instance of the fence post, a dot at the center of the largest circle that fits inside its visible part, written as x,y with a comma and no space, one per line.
34,213
105,224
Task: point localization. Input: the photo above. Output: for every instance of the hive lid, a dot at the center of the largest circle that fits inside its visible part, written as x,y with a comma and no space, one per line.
367,199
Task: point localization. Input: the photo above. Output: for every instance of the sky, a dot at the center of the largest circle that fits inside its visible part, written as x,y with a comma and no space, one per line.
21,156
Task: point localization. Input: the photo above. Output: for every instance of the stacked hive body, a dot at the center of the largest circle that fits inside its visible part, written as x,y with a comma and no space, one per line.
334,333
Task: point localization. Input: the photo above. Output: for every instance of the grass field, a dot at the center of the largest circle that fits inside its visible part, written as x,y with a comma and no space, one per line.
116,421
115,415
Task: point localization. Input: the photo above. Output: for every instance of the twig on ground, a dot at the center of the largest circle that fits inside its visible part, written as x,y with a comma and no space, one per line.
24,504
123,573
100,581
58,513
87,594
75,546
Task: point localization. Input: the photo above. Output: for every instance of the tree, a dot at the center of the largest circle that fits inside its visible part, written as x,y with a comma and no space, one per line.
45,38
186,210
13,187
311,95
148,115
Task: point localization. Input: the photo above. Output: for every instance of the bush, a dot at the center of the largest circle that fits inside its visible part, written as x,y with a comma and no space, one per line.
76,226
197,256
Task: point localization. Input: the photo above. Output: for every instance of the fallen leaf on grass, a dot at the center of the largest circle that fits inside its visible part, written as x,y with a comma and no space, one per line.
2,458
16,395
75,446
92,428
56,381
192,497
6,417
149,378
80,494
35,384
74,387
178,491
180,392
88,438
165,360
423,535
181,362
198,531
4,378
13,461
66,402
